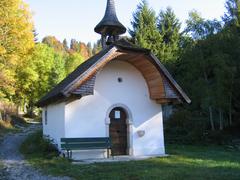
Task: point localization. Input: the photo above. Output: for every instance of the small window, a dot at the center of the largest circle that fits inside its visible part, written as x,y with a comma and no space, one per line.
117,115
120,80
45,117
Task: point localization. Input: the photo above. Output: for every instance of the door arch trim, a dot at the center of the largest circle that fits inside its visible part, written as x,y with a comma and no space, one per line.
129,122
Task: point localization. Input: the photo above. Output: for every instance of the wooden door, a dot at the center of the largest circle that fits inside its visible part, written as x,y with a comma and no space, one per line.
118,131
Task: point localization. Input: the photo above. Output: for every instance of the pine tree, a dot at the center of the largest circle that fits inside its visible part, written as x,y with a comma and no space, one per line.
96,47
169,28
144,31
74,45
90,49
65,45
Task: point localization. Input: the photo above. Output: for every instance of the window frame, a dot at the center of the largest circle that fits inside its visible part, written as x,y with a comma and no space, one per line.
45,117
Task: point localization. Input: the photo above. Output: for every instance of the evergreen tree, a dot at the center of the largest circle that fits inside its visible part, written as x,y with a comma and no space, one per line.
97,47
74,45
144,31
90,49
65,45
169,28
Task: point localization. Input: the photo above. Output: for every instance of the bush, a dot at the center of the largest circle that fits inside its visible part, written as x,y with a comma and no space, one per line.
36,144
185,128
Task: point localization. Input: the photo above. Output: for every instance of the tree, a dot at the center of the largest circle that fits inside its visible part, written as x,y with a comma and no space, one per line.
53,42
72,62
79,47
169,28
90,49
199,28
65,45
96,47
209,73
41,71
74,45
144,31
232,16
16,39
58,72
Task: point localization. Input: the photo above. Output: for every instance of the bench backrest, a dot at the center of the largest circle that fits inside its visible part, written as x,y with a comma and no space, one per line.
85,143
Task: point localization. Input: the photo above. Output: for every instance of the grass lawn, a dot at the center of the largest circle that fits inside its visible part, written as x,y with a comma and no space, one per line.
1,165
185,162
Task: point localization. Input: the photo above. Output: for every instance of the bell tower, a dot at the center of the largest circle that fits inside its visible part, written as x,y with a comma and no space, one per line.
109,27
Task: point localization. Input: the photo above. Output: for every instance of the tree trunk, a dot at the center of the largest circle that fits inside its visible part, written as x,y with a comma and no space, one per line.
1,118
220,120
211,118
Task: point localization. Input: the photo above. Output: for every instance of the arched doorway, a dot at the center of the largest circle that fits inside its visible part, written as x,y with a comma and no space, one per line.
118,131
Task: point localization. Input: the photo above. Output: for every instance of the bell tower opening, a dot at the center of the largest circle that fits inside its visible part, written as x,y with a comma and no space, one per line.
109,27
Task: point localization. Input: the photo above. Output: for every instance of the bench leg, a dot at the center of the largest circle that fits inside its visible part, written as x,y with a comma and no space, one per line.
69,154
107,153
112,154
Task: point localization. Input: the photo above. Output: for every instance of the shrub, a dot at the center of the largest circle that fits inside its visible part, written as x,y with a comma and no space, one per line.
36,144
186,127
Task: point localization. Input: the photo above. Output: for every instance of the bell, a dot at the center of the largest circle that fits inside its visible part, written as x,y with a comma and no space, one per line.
110,40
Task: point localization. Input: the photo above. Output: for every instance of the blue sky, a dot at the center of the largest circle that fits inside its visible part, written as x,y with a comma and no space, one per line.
77,18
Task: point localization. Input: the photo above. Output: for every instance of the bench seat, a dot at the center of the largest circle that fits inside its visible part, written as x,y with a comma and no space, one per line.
70,144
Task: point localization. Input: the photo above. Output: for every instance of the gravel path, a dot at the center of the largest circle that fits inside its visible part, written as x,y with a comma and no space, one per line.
15,167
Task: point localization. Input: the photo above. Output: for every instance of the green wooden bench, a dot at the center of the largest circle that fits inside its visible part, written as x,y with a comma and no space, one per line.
70,144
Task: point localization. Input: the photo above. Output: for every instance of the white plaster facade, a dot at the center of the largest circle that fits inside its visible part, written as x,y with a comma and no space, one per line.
89,116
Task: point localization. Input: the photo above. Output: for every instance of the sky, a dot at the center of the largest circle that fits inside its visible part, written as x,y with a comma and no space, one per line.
77,18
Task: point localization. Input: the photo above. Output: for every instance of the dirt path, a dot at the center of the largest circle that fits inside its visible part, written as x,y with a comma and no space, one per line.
15,167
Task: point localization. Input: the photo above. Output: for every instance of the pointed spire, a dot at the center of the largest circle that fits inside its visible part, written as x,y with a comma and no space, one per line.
110,25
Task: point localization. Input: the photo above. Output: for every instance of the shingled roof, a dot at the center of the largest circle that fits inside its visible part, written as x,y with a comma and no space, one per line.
61,92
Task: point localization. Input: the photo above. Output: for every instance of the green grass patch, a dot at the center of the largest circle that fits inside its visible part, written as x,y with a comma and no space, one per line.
185,162
1,165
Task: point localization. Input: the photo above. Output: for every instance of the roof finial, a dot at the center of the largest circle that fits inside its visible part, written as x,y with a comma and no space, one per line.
110,27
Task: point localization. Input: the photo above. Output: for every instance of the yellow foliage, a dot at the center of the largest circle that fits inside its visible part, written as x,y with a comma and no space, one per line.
16,39
2,50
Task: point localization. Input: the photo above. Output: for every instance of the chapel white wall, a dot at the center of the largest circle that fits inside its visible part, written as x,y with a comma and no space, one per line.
55,126
87,117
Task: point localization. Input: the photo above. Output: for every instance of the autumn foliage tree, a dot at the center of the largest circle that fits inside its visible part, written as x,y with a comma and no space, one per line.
16,39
